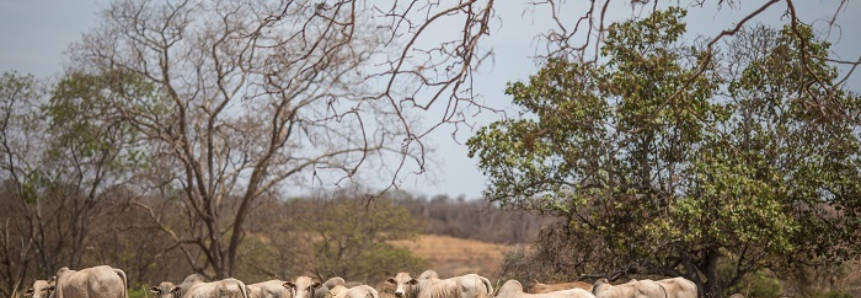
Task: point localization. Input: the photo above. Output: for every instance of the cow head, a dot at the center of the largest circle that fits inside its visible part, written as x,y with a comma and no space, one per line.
41,289
598,286
403,283
166,290
335,291
302,287
532,285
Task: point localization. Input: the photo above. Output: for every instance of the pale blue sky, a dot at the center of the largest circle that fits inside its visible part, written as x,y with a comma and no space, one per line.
35,33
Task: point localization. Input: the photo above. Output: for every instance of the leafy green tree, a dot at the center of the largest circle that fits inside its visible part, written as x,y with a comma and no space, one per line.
663,172
89,157
63,167
757,284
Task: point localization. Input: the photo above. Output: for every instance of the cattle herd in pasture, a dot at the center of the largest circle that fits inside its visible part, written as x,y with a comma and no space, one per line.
108,282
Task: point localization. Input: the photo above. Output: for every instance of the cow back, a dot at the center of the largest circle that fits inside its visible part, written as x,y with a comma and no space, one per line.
538,288
226,288
439,288
679,287
269,289
360,291
94,282
635,289
510,289
514,289
427,274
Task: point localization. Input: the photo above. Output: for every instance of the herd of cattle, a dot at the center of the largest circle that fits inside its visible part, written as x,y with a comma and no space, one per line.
108,282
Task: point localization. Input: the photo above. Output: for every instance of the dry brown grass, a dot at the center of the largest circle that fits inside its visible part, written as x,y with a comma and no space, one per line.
451,256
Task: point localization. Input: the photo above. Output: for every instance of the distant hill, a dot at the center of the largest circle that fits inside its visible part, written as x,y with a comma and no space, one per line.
451,256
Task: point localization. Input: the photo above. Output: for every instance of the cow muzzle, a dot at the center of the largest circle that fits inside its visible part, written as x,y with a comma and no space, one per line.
399,294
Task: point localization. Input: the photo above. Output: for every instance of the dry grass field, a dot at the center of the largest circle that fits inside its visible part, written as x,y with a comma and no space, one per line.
455,256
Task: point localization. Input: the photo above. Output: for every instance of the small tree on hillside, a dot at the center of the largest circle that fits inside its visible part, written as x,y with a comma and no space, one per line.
345,237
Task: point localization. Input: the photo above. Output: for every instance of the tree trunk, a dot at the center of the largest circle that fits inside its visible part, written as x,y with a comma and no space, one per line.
711,288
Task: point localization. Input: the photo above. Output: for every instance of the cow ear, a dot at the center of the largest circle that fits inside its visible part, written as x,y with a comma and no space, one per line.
391,281
289,285
316,285
414,281
176,289
155,289
29,292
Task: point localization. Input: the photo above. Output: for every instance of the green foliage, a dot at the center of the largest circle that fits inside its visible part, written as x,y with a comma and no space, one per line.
758,285
346,237
16,88
139,291
354,240
670,179
18,93
87,113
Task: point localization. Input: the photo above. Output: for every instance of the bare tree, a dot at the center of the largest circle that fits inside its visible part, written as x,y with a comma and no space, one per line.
239,106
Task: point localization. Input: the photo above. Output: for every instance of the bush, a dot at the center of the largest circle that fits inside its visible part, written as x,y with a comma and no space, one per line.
758,285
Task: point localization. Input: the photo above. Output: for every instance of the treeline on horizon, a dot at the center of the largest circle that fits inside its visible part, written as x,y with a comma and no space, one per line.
322,236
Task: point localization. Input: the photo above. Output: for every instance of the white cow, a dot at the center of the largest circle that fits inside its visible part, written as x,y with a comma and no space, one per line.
514,289
41,289
195,287
327,286
302,287
269,289
465,286
679,287
536,287
95,282
332,293
360,291
167,289
645,288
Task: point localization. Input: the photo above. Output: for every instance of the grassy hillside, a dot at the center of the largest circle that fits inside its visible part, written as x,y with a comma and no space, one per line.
455,256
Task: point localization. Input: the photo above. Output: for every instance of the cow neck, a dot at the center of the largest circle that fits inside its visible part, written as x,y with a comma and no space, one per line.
426,288
415,290
62,277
